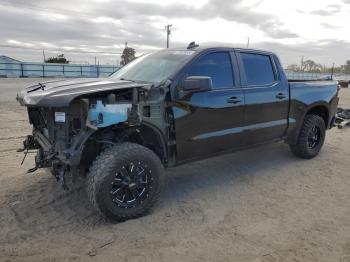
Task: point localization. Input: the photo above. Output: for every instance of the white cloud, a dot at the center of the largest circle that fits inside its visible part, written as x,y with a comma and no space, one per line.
106,20
53,16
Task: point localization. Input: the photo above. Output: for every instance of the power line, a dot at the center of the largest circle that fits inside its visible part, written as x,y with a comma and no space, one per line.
168,32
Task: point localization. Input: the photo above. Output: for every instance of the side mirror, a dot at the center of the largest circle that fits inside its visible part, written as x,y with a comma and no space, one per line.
197,84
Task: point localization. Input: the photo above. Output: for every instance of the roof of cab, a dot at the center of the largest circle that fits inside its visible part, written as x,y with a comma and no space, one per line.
200,48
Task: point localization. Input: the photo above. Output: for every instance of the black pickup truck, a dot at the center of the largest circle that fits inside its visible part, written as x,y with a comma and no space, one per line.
165,109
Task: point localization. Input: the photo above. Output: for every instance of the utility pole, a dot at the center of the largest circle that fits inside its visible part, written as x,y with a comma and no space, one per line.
167,28
44,55
332,71
248,41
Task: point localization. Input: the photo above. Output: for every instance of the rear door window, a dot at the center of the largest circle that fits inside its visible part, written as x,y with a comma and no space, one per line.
258,69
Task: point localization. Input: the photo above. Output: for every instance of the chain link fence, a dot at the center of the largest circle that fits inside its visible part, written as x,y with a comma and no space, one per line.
316,76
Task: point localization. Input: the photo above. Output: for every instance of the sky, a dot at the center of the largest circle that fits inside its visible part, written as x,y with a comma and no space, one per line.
85,29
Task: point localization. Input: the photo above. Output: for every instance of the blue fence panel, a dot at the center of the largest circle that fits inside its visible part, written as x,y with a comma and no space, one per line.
33,70
10,69
55,70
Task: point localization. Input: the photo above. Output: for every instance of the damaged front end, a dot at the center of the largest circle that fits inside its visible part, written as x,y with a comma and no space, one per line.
58,134
68,136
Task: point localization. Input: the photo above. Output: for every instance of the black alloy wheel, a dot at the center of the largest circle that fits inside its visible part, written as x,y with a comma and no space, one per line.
314,137
131,184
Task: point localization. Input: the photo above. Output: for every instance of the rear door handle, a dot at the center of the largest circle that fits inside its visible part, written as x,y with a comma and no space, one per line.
233,100
280,96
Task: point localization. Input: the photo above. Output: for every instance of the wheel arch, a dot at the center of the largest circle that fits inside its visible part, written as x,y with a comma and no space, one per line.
146,135
320,108
152,137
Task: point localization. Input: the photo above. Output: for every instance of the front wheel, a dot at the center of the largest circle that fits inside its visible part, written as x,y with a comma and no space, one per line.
124,181
311,137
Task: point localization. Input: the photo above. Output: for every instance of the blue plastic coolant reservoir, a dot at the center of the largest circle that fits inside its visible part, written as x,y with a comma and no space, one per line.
101,115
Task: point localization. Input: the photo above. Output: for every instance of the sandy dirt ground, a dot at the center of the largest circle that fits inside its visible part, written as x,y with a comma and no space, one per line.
256,205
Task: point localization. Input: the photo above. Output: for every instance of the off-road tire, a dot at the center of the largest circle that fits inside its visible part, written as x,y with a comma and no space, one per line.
302,148
105,169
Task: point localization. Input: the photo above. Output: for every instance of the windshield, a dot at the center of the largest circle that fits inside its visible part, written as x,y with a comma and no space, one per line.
154,67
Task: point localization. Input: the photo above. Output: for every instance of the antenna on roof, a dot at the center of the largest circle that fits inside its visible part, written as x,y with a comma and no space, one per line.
192,45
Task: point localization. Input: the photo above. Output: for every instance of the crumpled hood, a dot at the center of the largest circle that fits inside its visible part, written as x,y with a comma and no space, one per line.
59,93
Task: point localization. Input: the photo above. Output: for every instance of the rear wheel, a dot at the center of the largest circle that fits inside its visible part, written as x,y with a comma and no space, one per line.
124,181
311,137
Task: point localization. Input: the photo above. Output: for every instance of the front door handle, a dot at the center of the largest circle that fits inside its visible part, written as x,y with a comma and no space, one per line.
233,100
280,96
